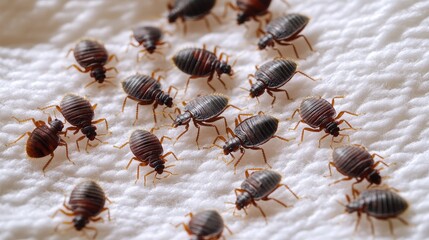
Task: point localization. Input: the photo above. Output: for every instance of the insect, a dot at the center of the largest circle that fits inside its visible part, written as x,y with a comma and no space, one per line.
149,37
250,133
191,10
379,203
86,202
319,113
205,225
199,63
202,111
272,75
147,150
92,56
79,113
44,139
356,162
146,90
283,30
250,9
257,186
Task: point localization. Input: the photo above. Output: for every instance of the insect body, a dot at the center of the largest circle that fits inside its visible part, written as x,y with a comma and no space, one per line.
149,37
44,139
257,186
205,225
191,10
86,201
355,162
250,133
148,150
272,75
145,90
319,113
199,63
251,9
202,111
79,113
379,203
92,56
283,30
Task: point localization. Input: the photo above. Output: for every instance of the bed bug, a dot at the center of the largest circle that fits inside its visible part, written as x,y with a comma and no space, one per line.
283,30
199,63
382,204
146,90
79,113
319,113
356,162
149,37
191,10
273,75
250,133
203,110
44,139
147,150
86,202
250,9
92,56
205,225
257,186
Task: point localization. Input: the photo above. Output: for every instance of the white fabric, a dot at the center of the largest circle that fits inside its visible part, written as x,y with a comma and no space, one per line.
375,53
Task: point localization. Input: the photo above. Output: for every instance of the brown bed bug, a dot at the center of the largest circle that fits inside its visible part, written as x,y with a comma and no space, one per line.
79,113
92,56
273,75
205,225
146,90
382,204
258,185
319,113
203,110
86,202
44,139
148,150
148,36
356,162
250,9
191,10
283,30
198,62
250,133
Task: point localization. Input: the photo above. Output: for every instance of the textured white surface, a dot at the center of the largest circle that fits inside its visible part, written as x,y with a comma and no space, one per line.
373,52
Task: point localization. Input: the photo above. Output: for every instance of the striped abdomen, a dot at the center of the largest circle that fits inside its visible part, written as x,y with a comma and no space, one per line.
145,146
42,142
207,107
206,225
286,27
352,161
261,183
147,34
379,203
90,53
256,130
87,199
77,110
253,7
141,88
276,73
196,61
316,112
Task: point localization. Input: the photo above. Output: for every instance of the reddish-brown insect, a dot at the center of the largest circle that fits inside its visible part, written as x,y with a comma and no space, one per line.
92,56
250,9
148,150
86,201
79,113
191,10
319,113
199,63
354,161
382,204
44,139
148,36
205,225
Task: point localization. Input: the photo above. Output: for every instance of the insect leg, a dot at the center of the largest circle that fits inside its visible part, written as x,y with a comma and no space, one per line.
170,153
304,75
246,172
129,163
78,68
187,82
307,129
64,143
101,120
19,138
46,165
306,40
291,44
263,155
